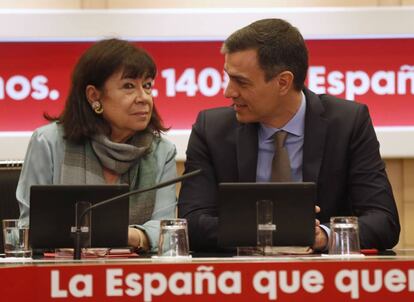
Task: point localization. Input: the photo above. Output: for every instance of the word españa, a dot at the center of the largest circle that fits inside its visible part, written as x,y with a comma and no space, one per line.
359,82
268,283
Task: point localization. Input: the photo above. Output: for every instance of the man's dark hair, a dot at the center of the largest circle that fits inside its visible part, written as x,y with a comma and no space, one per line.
279,45
95,66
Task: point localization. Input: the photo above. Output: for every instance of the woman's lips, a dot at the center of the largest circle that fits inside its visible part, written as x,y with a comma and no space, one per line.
141,113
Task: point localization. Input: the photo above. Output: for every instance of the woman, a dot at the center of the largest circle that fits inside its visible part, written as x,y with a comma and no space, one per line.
108,133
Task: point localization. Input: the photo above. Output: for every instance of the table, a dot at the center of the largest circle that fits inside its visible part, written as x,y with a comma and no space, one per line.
282,278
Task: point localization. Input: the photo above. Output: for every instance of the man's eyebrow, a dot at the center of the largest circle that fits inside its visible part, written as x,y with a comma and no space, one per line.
239,78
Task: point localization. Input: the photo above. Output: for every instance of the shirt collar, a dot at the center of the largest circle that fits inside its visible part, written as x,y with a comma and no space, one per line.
295,126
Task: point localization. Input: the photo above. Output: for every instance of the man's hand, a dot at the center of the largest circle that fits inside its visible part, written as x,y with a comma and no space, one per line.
321,240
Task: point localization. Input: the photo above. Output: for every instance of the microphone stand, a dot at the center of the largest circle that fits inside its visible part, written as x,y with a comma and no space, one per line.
78,232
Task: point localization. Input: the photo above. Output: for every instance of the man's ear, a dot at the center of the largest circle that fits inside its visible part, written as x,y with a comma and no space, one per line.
285,81
92,94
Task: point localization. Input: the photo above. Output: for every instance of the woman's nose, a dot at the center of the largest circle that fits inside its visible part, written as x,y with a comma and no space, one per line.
141,96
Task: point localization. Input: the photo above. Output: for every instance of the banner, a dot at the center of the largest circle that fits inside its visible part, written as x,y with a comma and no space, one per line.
35,78
244,281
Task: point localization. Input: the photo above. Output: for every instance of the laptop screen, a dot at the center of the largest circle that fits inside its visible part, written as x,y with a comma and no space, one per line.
293,213
52,214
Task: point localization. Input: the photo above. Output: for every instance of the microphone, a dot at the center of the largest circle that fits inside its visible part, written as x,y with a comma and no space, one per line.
77,248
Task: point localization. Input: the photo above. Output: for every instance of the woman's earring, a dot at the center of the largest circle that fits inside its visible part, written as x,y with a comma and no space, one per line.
97,107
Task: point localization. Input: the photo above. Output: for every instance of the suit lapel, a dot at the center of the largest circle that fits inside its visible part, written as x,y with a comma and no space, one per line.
247,141
315,132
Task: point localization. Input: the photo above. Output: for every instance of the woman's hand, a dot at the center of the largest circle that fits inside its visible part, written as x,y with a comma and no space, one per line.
138,239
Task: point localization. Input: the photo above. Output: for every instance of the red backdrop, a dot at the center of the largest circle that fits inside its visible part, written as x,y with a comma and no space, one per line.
35,78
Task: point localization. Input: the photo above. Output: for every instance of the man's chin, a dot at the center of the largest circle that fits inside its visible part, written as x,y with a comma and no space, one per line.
242,118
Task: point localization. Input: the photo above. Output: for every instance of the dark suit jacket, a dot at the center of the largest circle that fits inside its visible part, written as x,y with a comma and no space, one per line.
340,154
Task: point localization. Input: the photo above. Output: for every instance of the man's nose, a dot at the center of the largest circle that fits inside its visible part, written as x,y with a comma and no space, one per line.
230,92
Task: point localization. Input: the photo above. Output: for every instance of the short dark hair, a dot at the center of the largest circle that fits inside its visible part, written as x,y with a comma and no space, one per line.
279,45
95,66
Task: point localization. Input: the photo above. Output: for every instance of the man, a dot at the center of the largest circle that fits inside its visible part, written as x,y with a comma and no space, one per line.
329,141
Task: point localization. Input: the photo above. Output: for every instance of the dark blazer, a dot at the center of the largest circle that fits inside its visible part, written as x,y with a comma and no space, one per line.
340,154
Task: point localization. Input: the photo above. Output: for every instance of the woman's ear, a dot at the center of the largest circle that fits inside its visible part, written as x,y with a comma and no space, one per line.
92,94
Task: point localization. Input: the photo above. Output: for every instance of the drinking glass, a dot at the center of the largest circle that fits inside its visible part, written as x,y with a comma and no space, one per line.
16,239
173,240
344,237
